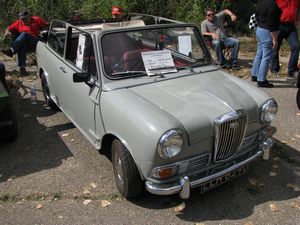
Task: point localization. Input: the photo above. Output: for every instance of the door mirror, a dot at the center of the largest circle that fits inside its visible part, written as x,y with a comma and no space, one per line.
81,77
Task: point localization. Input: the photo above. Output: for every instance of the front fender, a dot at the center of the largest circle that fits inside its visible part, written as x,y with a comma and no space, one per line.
138,123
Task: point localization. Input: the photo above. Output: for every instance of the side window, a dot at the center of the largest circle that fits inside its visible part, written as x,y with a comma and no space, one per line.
80,51
57,36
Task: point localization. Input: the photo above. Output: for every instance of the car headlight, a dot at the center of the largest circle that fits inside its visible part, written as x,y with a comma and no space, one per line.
268,111
170,144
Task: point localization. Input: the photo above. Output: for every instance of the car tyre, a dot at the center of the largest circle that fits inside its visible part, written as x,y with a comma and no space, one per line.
46,93
126,174
10,132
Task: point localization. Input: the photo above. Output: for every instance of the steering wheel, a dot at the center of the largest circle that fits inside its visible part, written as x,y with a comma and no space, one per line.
119,66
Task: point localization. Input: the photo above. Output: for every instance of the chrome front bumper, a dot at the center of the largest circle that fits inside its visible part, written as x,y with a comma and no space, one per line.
183,185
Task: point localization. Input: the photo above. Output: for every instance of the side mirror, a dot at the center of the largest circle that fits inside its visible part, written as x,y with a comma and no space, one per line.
81,77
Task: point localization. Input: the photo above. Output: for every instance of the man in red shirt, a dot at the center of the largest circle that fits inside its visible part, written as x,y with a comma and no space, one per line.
288,31
25,31
116,12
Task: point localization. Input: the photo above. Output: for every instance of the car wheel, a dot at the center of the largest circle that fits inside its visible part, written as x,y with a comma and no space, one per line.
10,132
46,93
126,174
298,98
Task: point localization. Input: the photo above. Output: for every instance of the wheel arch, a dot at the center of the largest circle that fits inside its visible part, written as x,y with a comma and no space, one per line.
106,145
44,77
42,71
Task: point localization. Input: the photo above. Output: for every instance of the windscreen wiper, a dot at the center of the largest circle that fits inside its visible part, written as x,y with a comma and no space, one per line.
169,68
132,72
164,68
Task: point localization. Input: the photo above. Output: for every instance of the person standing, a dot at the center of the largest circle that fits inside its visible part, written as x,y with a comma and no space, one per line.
213,26
288,31
75,16
25,31
266,35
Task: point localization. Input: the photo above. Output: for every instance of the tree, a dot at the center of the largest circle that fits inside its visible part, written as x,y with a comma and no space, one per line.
184,10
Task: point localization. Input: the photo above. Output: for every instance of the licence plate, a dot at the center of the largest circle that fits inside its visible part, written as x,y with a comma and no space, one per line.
222,179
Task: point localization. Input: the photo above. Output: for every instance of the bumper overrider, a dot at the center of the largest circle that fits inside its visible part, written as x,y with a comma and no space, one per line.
183,185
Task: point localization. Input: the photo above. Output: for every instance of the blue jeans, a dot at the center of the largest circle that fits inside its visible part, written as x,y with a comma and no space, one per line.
263,54
231,43
287,31
23,44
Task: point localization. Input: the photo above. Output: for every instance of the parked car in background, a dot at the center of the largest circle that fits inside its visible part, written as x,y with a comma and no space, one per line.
145,91
8,119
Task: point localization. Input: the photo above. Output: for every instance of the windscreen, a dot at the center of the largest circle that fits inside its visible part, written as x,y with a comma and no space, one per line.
152,50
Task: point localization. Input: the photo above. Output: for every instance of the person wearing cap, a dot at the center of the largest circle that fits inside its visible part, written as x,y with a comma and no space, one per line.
116,12
75,16
25,31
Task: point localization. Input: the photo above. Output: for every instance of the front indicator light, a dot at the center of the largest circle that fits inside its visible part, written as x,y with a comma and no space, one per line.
166,172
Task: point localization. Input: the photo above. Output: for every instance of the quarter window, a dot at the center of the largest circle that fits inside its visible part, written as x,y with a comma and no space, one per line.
57,36
81,51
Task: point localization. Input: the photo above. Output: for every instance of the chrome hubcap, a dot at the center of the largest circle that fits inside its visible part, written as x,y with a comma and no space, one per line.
119,170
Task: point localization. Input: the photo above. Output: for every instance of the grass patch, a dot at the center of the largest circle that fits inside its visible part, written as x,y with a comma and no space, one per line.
8,198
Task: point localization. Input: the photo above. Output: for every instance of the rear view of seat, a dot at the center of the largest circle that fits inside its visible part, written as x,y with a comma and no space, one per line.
133,60
114,46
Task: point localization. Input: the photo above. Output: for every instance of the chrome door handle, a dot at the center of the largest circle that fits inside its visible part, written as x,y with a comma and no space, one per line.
63,69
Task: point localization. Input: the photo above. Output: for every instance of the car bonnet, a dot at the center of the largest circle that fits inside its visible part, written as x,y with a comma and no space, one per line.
196,101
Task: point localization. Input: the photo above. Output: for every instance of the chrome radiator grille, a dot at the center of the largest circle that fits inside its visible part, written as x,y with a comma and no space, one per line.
229,130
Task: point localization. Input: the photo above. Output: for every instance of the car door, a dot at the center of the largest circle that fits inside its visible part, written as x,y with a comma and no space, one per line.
80,101
54,61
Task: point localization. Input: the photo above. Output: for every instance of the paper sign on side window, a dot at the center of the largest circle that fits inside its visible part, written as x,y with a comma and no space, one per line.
156,62
80,51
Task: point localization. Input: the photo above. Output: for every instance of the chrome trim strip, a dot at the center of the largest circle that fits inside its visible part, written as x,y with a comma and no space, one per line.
176,187
221,100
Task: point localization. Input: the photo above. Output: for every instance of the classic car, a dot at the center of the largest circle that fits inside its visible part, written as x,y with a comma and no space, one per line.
145,92
8,119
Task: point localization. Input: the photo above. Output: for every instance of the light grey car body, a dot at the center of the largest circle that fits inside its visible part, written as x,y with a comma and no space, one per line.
139,110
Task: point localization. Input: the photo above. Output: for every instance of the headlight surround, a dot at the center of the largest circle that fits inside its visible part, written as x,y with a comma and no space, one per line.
170,144
268,111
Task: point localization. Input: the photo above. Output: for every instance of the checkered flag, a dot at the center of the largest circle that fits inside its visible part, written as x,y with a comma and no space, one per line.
253,21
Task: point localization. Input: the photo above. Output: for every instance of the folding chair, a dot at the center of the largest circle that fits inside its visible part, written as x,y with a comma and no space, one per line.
31,58
226,50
